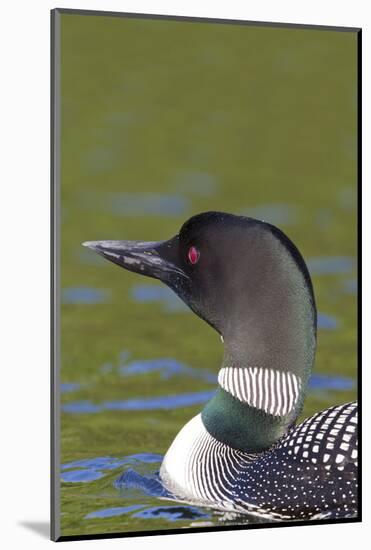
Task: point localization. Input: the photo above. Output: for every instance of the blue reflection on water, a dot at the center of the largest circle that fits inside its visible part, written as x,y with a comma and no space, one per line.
85,295
163,402
326,322
157,403
80,476
351,286
139,478
147,204
69,387
277,214
81,407
90,469
144,293
168,368
328,265
172,513
111,512
328,382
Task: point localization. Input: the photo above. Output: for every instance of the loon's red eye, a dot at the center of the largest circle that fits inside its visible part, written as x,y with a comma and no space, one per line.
193,255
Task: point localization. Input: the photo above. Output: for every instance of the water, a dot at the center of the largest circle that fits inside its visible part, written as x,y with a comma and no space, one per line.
85,295
69,387
167,367
327,322
170,368
138,482
147,204
277,214
145,147
146,293
330,265
202,184
350,286
163,402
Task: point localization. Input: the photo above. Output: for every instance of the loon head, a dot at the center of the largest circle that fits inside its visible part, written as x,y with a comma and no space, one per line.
246,279
232,271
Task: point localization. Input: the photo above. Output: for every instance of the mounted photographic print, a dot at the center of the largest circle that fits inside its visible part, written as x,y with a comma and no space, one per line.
205,266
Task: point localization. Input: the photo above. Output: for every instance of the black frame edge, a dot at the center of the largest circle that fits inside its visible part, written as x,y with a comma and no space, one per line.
359,259
179,531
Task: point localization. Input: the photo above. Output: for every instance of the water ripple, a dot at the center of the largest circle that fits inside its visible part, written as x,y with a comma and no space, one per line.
90,469
164,402
167,402
112,512
167,367
327,322
69,387
327,382
144,293
85,295
80,476
172,513
148,483
330,265
140,478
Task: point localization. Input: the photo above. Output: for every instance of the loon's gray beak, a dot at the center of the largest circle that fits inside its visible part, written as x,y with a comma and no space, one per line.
154,259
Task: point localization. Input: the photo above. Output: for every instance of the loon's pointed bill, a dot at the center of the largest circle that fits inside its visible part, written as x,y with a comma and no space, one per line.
151,258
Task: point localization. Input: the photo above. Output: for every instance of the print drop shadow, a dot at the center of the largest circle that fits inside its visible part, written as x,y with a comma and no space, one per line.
41,528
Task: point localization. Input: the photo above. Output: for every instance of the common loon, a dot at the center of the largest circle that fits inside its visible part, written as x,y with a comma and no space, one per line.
244,452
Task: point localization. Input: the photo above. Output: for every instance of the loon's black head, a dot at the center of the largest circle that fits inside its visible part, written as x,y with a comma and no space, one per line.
216,262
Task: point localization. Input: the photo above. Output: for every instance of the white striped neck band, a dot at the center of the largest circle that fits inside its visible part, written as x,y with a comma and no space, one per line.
273,391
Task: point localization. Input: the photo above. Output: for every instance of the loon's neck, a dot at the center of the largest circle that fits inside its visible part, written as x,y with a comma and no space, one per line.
242,426
253,406
264,374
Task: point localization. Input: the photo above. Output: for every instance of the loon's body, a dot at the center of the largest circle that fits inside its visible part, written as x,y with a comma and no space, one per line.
244,452
310,473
